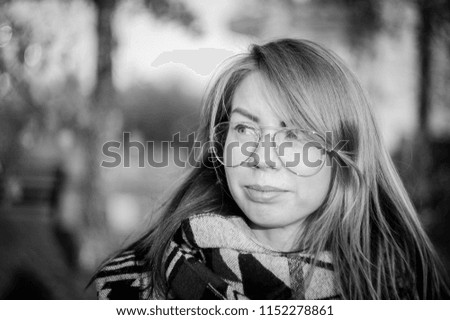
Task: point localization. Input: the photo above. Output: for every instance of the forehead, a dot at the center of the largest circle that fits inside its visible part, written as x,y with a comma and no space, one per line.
253,100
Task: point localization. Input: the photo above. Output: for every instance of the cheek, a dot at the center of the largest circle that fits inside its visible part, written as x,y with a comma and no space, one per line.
312,191
232,176
236,177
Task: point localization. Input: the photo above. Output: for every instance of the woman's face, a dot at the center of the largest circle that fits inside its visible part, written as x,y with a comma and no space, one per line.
274,200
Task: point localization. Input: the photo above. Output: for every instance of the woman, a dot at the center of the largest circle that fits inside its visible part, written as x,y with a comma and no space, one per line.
295,198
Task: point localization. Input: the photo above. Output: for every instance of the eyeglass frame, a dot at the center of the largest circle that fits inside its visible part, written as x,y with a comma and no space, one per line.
259,134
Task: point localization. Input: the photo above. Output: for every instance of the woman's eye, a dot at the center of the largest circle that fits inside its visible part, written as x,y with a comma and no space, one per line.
242,129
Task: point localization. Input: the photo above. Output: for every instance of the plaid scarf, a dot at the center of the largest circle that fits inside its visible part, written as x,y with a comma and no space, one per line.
216,257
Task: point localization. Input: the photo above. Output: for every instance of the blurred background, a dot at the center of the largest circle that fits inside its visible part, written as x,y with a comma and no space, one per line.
77,73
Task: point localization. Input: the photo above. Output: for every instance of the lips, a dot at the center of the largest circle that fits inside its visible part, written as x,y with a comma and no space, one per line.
263,193
264,188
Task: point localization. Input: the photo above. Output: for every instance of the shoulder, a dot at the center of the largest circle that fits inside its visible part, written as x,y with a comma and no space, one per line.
123,277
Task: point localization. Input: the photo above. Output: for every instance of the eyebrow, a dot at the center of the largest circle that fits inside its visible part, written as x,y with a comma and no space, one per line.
251,116
245,114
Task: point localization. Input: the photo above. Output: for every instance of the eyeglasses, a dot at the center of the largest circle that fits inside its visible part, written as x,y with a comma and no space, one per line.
301,151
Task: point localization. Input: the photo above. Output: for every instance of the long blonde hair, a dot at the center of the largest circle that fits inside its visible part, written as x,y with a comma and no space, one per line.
367,221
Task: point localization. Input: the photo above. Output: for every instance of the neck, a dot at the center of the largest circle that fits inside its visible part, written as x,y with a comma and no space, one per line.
280,239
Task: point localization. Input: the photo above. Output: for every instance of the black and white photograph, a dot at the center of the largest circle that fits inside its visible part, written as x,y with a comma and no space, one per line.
225,150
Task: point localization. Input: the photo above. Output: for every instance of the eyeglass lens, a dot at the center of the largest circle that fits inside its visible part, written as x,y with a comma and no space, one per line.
299,151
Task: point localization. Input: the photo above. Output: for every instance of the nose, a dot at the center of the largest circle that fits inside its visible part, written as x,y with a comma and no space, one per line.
265,156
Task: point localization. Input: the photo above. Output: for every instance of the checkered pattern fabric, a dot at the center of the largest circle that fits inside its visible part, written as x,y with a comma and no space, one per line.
216,257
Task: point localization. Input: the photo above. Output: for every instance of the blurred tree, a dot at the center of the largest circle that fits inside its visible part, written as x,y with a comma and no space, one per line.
94,118
170,10
433,148
423,161
433,34
17,105
360,20
106,117
363,20
103,110
433,28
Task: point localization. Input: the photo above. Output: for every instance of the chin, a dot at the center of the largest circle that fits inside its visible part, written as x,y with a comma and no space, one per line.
264,222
